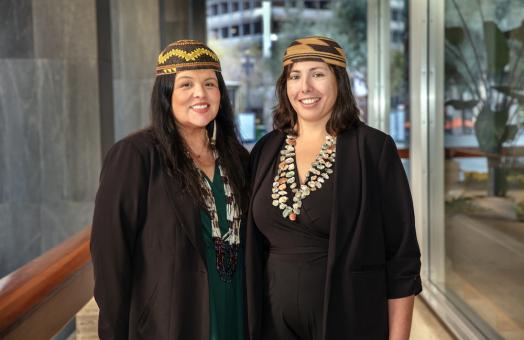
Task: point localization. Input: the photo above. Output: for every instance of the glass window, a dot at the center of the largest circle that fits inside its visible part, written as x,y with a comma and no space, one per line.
214,9
484,164
310,4
225,32
223,8
258,27
399,76
235,32
246,27
235,6
323,4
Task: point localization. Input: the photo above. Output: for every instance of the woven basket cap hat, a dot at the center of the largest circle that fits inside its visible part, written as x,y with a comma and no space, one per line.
185,55
315,48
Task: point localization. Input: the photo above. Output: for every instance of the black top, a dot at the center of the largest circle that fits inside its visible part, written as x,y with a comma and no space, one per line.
307,238
373,253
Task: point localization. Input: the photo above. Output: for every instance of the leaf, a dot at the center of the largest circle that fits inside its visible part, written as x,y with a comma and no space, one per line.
516,33
505,89
490,129
518,96
497,49
461,104
455,35
510,133
508,91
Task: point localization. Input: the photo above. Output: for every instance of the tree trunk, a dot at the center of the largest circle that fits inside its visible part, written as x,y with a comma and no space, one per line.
497,179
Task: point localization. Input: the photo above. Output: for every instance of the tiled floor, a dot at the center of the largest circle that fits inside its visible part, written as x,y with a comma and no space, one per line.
425,324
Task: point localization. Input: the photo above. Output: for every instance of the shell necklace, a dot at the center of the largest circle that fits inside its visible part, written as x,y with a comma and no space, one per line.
320,170
226,246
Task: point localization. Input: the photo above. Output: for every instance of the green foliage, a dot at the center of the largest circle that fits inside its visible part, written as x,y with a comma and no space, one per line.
485,74
459,205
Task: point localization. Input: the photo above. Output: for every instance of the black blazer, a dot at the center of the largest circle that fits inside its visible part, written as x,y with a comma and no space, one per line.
373,252
147,249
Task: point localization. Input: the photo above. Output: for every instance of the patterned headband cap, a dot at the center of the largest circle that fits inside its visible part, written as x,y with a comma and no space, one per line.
186,55
315,48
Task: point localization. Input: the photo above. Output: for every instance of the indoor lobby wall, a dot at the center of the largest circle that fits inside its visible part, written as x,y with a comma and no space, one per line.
49,126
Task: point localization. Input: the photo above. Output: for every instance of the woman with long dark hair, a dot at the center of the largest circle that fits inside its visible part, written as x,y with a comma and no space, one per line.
167,242
331,250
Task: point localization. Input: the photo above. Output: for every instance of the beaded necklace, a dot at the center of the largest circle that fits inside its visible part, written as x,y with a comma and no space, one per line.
226,246
320,170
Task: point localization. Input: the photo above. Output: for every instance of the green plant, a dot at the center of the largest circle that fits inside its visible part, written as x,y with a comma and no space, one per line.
485,75
459,205
519,209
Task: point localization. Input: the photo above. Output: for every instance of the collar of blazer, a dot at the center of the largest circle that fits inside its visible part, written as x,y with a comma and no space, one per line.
347,185
187,214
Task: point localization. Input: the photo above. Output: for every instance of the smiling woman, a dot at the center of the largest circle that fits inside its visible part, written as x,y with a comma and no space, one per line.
331,245
167,243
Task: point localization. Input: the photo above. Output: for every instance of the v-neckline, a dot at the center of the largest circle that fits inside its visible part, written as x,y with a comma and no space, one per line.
297,176
213,180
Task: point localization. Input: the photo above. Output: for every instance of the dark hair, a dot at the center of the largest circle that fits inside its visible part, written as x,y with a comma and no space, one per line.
345,110
233,157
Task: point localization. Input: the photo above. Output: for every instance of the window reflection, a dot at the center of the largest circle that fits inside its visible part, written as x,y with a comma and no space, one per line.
484,178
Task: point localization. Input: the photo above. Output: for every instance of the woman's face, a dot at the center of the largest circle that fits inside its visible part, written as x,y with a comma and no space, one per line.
196,98
312,90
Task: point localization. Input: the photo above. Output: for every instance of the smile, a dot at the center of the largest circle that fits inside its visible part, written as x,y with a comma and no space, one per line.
309,101
199,106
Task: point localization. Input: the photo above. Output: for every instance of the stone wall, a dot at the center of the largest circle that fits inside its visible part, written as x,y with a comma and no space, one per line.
49,124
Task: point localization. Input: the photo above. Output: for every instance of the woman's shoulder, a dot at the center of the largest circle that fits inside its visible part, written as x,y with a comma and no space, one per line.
372,138
139,144
259,145
375,141
370,134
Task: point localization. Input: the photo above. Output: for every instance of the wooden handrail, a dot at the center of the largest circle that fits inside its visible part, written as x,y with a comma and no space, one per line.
471,152
39,298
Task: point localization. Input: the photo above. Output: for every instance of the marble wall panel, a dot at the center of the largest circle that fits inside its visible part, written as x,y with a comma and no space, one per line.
4,179
64,29
16,29
132,105
21,237
83,148
19,79
53,123
60,220
135,38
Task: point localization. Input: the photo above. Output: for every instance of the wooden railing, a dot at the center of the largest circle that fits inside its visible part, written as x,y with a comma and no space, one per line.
38,299
471,152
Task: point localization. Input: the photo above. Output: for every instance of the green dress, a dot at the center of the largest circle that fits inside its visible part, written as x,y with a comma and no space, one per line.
226,299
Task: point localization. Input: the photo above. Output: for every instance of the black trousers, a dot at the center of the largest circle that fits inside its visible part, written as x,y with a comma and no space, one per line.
295,296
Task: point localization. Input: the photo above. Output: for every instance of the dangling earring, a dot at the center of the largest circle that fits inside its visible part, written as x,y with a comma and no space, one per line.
214,134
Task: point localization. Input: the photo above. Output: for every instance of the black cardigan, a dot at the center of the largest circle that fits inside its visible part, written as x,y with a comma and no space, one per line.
147,249
373,252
